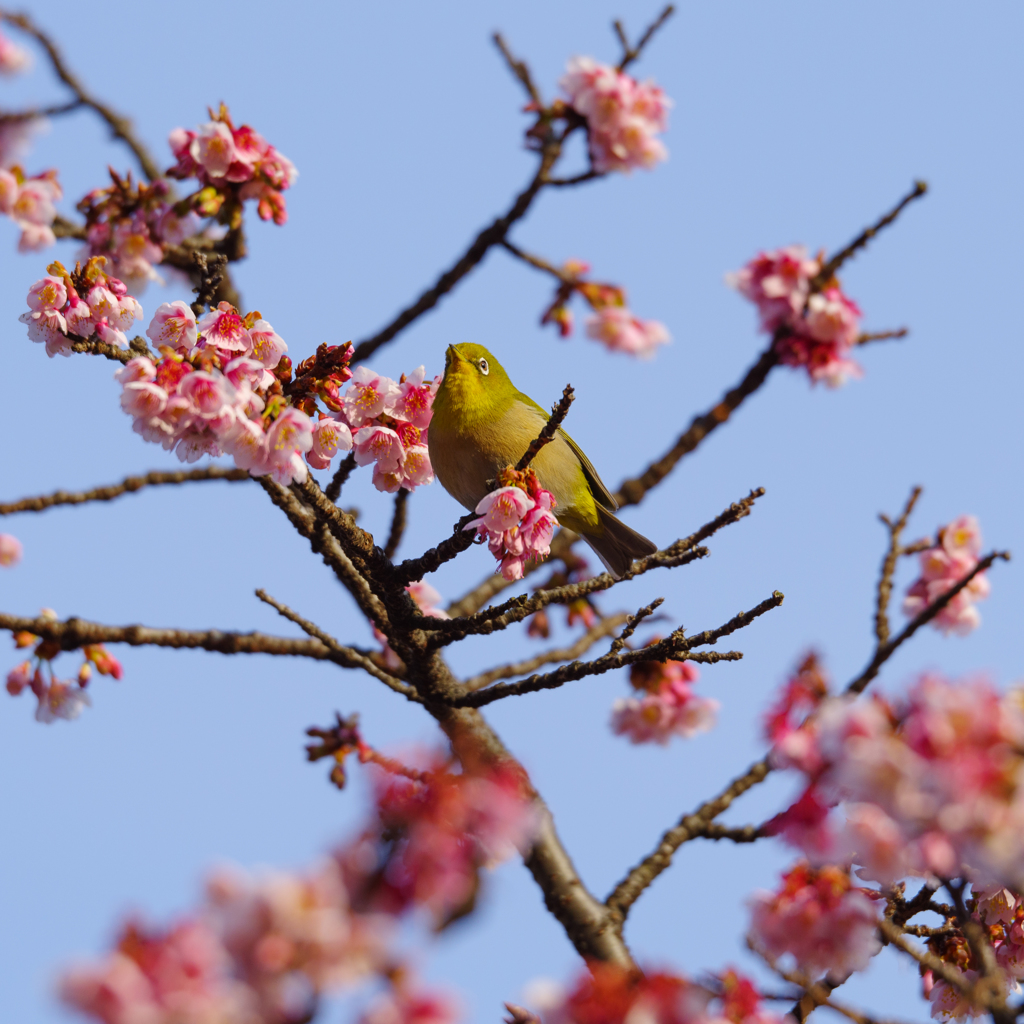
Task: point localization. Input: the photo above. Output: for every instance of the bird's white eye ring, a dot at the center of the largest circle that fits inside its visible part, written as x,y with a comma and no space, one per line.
484,368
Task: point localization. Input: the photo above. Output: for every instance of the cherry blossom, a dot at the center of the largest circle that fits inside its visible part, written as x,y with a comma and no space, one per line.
623,116
516,521
412,1004
29,202
13,59
668,706
174,324
618,329
954,554
10,550
819,918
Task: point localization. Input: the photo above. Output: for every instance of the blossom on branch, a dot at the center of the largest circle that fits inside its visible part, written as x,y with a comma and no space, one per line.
815,331
232,165
13,59
516,521
956,551
819,918
668,706
29,202
623,116
10,550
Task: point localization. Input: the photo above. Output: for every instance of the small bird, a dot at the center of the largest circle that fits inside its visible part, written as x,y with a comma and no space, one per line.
483,423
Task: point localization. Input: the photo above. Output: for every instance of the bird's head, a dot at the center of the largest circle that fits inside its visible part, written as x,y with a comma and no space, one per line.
474,380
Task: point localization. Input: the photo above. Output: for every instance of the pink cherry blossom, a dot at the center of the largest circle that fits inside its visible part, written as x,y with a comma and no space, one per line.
213,148
501,510
819,919
427,599
380,445
223,328
267,345
79,316
48,293
290,436
618,329
368,395
623,116
778,283
10,550
173,324
414,399
329,437
412,1005
47,326
516,521
952,557
13,59
668,706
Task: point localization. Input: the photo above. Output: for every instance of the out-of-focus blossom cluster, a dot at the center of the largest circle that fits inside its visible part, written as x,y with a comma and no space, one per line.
668,706
385,422
30,203
10,550
13,59
516,521
57,698
66,307
929,784
263,949
1000,913
623,116
607,994
612,323
232,165
819,918
130,224
955,553
435,831
816,331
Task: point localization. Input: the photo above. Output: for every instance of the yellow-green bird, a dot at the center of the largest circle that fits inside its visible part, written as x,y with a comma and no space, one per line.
483,423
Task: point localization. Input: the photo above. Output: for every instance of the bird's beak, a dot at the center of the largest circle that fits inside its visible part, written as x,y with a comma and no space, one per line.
454,360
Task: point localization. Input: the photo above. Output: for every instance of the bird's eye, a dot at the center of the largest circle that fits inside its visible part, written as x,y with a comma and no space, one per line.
484,368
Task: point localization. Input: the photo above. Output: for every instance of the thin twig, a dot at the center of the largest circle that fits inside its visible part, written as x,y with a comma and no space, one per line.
519,69
889,567
574,650
885,651
631,625
538,263
343,472
100,348
630,54
120,126
20,116
835,262
313,630
870,336
558,413
129,485
398,520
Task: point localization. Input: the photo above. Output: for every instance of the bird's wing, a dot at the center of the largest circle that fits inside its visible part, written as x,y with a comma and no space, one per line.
597,487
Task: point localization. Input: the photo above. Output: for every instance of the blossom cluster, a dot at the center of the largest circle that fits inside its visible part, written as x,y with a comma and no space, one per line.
57,698
623,116
384,422
263,949
607,994
516,521
10,550
1000,914
814,330
954,554
612,323
232,165
819,918
29,202
928,784
668,706
65,307
130,224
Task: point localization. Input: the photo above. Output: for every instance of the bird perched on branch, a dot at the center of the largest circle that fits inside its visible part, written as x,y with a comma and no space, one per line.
483,423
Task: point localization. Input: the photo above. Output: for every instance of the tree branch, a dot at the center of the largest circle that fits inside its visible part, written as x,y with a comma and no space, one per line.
398,520
519,69
558,413
120,126
129,485
631,53
343,472
889,566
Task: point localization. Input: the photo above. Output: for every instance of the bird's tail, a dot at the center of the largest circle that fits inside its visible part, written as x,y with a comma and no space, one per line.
617,546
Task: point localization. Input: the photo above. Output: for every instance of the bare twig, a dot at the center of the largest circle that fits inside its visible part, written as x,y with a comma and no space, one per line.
343,472
547,434
129,485
626,893
885,651
120,126
398,520
358,660
889,566
870,336
20,116
208,269
541,264
631,625
100,348
519,69
835,262
631,53
574,650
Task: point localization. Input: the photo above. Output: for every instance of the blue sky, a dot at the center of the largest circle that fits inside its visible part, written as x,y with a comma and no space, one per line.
793,122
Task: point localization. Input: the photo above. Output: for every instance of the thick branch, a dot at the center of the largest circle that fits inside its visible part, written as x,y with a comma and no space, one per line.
120,126
129,485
